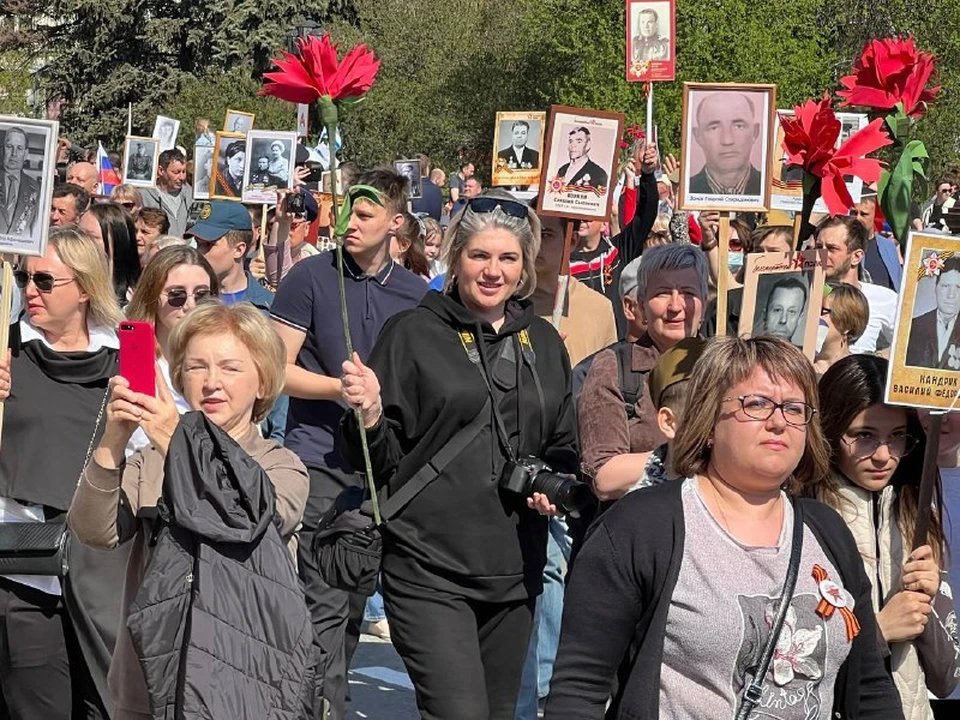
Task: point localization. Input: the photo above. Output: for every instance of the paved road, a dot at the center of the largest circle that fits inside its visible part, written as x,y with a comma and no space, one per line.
379,686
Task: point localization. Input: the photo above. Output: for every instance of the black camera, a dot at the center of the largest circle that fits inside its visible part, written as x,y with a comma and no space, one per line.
530,475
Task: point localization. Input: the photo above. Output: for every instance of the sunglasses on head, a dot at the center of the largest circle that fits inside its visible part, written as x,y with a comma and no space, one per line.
485,204
45,282
177,297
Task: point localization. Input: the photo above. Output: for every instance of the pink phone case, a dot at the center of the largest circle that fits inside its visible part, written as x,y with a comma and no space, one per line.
138,356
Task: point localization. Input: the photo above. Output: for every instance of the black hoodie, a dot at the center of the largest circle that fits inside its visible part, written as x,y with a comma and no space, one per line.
462,534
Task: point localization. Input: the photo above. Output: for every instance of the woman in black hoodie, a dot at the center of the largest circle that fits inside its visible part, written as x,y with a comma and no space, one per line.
462,562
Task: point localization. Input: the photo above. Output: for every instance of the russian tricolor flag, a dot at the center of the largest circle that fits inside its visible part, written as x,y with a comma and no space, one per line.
107,176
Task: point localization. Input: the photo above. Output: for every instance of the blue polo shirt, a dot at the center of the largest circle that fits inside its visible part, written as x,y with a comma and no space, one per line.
308,299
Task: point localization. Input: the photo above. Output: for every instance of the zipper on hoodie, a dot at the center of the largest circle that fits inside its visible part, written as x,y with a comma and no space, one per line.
192,580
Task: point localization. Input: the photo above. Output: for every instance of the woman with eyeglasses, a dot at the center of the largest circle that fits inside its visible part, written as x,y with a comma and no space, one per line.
175,281
129,198
677,586
876,462
463,560
843,319
56,633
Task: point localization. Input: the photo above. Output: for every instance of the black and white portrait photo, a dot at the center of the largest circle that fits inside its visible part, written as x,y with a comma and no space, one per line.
518,144
650,22
26,183
165,131
410,169
726,146
269,165
140,161
238,122
202,171
229,163
782,306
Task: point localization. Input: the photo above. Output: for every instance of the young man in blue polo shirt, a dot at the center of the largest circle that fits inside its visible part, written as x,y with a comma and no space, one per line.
306,313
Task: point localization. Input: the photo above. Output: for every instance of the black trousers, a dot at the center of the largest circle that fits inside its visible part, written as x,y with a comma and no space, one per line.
336,615
34,663
465,657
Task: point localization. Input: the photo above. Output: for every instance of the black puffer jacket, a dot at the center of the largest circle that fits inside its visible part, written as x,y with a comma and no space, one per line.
219,622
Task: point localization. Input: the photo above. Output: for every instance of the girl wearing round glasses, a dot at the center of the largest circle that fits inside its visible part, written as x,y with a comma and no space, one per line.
63,353
876,462
172,284
463,561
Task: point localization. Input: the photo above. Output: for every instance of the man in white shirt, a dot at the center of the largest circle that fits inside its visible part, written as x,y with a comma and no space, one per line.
844,239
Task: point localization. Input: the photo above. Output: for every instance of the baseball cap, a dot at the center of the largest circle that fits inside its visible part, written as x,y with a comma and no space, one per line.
218,217
674,366
628,277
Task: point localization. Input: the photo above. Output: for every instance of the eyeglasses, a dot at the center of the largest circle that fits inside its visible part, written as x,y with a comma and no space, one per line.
177,297
760,407
485,204
45,282
824,311
128,206
865,444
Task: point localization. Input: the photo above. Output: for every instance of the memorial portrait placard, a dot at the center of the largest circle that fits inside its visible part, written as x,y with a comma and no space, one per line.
651,40
268,165
518,148
26,183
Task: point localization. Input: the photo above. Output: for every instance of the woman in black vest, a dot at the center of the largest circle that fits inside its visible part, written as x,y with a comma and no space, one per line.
463,561
57,634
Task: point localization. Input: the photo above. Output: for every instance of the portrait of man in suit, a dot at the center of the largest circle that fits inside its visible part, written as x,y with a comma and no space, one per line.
935,336
726,127
19,193
581,170
517,154
648,44
785,308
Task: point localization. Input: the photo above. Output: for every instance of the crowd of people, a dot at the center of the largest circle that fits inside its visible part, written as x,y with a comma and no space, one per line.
624,515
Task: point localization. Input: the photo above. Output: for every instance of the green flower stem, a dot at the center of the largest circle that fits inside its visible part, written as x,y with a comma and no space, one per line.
328,114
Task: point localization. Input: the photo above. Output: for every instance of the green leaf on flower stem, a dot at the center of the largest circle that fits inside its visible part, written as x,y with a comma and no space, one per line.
899,122
896,187
352,195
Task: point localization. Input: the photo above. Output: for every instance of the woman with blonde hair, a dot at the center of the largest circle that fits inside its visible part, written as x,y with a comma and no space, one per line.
54,383
844,315
463,562
129,198
228,364
684,582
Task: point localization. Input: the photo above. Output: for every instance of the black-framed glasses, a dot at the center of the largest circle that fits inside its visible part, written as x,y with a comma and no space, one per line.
865,444
177,297
760,407
45,282
824,311
486,203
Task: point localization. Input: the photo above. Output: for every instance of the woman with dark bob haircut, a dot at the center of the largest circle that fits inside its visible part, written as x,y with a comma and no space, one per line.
119,237
876,464
678,585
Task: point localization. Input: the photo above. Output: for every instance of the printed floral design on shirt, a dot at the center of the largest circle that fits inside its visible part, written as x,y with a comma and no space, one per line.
792,685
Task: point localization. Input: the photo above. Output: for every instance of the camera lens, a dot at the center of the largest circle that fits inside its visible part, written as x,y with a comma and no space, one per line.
571,496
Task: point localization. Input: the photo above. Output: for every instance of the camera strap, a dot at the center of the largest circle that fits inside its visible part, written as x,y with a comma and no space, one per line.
473,354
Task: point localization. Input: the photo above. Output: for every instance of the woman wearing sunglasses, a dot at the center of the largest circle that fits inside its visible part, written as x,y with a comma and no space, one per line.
173,283
876,461
463,561
63,353
129,198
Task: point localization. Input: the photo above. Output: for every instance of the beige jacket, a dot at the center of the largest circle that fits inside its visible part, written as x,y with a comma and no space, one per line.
104,514
928,661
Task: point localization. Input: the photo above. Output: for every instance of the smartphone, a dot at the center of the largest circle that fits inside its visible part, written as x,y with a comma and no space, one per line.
138,356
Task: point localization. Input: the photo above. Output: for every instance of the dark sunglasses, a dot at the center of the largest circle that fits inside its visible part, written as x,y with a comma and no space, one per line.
45,282
177,297
485,204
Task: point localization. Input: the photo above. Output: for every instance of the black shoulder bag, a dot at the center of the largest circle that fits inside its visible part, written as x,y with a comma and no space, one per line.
28,548
753,692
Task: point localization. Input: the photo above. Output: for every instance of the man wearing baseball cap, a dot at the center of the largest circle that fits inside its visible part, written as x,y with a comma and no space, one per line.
223,233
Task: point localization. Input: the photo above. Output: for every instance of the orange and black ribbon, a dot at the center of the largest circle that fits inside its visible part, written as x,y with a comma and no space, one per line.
836,601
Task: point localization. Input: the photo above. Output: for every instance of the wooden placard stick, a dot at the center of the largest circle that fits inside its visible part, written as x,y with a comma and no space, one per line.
263,230
797,227
563,280
723,272
6,303
928,478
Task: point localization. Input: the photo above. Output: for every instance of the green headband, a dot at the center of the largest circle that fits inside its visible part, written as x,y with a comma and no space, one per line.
354,193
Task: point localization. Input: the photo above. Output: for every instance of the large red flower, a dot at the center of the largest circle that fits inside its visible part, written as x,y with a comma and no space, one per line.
888,72
810,141
315,73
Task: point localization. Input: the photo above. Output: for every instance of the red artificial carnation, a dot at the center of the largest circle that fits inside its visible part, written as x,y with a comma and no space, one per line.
810,139
315,73
891,71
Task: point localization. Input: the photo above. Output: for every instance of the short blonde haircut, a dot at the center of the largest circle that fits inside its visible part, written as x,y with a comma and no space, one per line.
127,193
468,223
248,325
725,362
88,262
849,311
